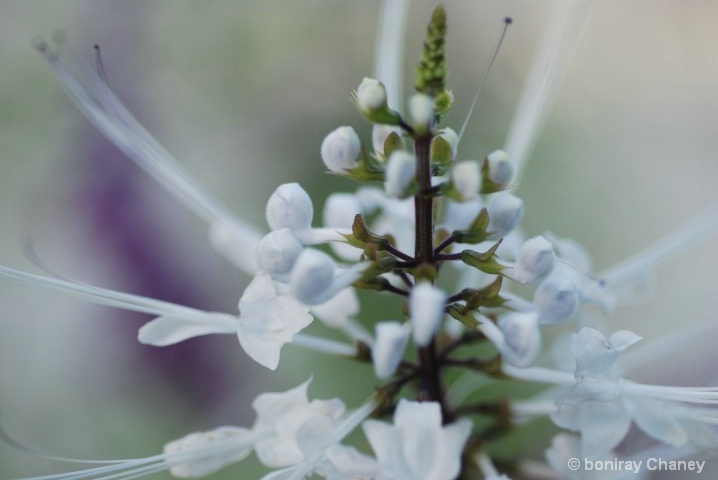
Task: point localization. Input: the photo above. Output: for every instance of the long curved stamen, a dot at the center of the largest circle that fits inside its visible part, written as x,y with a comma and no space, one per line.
100,105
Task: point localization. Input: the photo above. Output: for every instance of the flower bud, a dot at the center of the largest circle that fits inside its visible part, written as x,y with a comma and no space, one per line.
400,173
465,180
556,300
535,260
340,150
426,305
312,277
505,213
277,252
522,338
421,112
388,349
289,207
371,95
497,171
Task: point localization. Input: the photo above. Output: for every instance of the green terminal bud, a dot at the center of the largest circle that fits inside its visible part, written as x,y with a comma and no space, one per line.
431,71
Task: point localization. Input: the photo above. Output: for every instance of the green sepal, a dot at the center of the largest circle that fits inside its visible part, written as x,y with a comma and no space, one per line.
465,317
442,103
488,186
440,156
485,297
486,261
376,283
370,169
476,233
393,143
361,232
425,271
383,265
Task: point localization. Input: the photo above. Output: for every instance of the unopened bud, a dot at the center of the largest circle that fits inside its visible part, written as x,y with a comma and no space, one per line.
312,277
400,173
522,338
340,150
277,252
426,305
388,349
465,180
421,112
371,95
535,260
556,300
497,171
290,207
505,213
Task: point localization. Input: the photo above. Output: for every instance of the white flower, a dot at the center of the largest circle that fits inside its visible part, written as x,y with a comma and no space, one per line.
340,150
267,321
556,300
426,305
417,446
451,138
400,173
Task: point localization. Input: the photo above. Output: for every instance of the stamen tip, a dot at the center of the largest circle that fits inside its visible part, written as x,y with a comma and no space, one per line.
508,20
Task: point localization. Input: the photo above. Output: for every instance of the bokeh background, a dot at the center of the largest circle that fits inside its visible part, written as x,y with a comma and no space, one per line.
242,93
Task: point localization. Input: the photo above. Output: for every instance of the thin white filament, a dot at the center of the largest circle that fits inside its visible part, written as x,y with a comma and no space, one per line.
482,81
560,39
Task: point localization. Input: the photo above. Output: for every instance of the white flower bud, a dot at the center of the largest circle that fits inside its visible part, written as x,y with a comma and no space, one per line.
451,138
277,252
535,260
290,207
400,173
505,213
421,111
371,95
312,277
466,179
556,300
426,305
379,135
388,349
340,150
522,338
501,171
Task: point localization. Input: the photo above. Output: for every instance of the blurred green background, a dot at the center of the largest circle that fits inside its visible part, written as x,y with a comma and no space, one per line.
243,94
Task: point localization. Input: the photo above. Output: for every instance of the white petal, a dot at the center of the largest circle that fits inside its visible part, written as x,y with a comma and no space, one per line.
168,330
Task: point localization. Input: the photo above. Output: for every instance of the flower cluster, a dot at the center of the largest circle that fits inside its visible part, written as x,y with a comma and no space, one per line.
442,233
